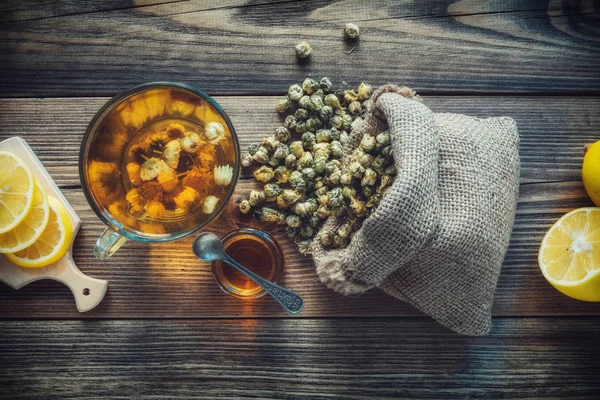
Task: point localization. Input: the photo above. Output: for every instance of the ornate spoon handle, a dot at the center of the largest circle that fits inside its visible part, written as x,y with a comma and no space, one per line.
290,300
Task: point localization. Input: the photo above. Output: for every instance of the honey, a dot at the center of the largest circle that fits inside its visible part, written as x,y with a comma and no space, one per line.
256,251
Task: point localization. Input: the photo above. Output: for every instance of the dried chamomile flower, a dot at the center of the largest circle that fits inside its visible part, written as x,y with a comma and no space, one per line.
335,134
290,122
214,132
223,175
271,191
373,201
365,159
253,148
325,84
356,169
192,143
306,161
271,215
335,197
323,135
175,130
332,101
291,233
168,182
387,153
326,238
322,149
274,162
310,85
323,212
350,96
262,155
308,140
270,143
325,113
339,241
256,198
367,143
280,203
244,206
301,127
301,114
297,181
293,221
364,91
378,164
348,192
303,49
334,178
171,153
281,151
283,104
319,165
247,160
313,123
290,161
282,174
154,166
308,174
316,102
346,178
332,165
321,191
304,209
290,196
135,200
336,149
306,231
346,122
336,121
351,31
369,178
304,102
133,172
368,191
264,174
155,209
187,199
344,230
339,211
355,107
385,181
209,205
383,139
282,134
304,247
358,207
295,92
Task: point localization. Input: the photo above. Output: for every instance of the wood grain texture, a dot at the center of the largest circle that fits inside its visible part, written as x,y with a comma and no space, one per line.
166,280
298,359
247,47
553,130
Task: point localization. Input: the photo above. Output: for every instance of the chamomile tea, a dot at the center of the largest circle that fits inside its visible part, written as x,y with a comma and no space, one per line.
163,161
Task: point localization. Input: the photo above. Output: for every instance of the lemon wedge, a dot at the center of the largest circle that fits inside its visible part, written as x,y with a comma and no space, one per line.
31,228
53,242
569,256
16,191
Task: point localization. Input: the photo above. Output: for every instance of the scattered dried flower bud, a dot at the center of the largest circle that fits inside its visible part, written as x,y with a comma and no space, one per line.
290,161
373,201
290,122
210,204
314,221
315,103
308,174
339,211
340,241
323,211
306,231
336,121
304,247
256,198
274,162
348,192
351,31
244,206
310,86
303,50
323,135
295,92
366,160
364,91
262,155
347,122
326,113
358,207
346,178
270,143
332,101
356,169
296,149
369,178
301,114
350,96
253,148
272,190
304,102
290,197
293,221
325,84
378,164
297,181
271,215
344,138
335,197
304,209
326,238
319,164
283,104
246,160
281,174
367,143
332,165
383,139
264,174
306,161
355,107
281,151
313,123
344,230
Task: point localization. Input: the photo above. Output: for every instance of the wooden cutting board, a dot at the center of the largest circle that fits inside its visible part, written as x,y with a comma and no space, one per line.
88,292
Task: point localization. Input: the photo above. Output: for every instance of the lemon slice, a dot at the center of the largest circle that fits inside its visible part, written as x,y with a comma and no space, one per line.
31,228
52,244
16,191
570,254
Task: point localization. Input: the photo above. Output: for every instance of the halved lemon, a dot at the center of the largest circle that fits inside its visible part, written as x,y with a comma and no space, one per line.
16,191
569,256
52,244
31,228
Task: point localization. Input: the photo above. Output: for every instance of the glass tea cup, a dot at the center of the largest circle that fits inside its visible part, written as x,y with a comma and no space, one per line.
157,163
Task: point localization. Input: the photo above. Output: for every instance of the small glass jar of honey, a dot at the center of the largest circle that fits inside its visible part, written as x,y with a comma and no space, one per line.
255,250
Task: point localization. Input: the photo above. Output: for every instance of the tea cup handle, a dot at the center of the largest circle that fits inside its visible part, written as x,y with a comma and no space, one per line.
108,243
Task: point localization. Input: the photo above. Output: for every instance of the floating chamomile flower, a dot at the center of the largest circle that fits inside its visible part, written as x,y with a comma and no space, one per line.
169,183
210,203
155,209
186,200
136,202
133,171
223,175
191,143
152,167
214,132
171,153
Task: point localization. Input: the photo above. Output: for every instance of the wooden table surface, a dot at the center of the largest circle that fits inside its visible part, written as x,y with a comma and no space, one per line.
165,330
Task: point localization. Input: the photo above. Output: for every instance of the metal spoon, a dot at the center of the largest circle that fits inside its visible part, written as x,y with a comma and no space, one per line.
208,247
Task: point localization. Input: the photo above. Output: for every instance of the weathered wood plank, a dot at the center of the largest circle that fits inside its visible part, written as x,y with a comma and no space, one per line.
553,129
298,359
451,47
166,280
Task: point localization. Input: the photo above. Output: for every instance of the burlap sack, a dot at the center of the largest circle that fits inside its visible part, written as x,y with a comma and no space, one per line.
438,238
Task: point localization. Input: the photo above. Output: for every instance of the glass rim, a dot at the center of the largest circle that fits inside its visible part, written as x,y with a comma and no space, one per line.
101,113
